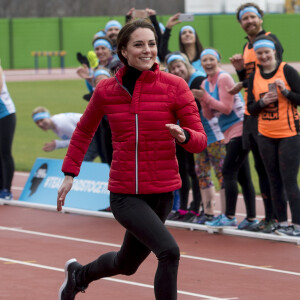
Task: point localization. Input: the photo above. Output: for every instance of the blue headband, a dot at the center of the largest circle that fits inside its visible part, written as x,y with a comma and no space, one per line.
104,43
41,115
162,27
187,27
211,52
100,33
112,23
101,72
175,57
249,9
263,43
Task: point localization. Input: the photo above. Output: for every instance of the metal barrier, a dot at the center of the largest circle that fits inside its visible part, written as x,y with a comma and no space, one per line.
49,55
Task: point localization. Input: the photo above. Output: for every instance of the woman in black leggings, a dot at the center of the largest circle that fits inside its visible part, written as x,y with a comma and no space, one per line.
273,96
142,105
7,130
216,101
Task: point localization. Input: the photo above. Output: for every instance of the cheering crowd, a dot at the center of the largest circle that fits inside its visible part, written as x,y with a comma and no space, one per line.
238,117
162,120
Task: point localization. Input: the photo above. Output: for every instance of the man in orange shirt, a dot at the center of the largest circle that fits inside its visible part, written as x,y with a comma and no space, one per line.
250,17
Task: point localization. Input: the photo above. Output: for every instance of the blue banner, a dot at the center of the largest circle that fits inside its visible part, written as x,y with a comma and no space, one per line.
89,189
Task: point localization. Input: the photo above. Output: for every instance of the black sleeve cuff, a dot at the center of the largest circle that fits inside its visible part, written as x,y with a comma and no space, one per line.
187,137
285,92
69,174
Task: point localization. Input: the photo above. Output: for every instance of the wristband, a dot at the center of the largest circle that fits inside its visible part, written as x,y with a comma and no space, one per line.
285,92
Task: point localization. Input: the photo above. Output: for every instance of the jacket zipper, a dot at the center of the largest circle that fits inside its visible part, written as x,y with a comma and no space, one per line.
136,141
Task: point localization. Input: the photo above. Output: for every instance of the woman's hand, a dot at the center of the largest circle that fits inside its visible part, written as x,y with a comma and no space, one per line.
84,72
48,147
280,84
173,21
235,89
130,12
177,132
63,191
150,12
269,97
198,93
237,61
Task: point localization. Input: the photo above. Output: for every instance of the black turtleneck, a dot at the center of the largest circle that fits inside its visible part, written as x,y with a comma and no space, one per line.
130,78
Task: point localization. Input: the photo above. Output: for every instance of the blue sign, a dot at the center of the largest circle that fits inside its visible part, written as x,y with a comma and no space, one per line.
89,189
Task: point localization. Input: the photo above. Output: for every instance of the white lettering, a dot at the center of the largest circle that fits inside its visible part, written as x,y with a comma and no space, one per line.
79,185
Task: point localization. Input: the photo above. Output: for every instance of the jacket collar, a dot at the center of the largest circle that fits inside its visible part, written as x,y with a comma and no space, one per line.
146,76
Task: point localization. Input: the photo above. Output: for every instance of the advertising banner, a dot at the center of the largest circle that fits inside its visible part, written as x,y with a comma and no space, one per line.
89,191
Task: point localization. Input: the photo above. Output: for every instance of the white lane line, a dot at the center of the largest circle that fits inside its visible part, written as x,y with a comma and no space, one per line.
18,188
24,174
240,265
111,279
59,236
118,246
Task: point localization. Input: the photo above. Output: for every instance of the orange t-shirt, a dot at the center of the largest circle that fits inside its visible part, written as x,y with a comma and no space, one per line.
281,118
250,63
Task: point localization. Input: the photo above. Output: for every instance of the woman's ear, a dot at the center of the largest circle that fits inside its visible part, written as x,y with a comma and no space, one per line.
124,53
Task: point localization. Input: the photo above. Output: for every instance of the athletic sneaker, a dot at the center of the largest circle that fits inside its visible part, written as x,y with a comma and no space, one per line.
202,218
177,216
259,226
189,217
6,194
247,225
288,230
222,221
270,226
69,288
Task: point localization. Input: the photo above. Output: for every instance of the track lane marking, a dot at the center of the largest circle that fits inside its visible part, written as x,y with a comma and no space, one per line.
118,246
35,265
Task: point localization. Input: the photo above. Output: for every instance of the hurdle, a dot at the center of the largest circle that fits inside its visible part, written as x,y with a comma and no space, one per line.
49,55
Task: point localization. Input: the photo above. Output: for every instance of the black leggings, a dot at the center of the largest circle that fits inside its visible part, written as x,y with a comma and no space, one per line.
188,176
281,158
236,169
7,166
263,179
143,216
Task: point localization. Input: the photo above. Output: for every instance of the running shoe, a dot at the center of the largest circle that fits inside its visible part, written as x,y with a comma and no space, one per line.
189,217
202,218
248,225
259,226
177,216
222,221
69,288
270,226
6,194
288,230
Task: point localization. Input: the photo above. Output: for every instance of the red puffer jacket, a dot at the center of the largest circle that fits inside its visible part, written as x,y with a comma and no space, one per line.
144,160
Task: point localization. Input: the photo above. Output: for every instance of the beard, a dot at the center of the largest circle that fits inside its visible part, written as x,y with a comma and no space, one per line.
113,37
252,30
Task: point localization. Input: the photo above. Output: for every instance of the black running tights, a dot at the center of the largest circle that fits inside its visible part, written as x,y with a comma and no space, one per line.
7,166
143,216
281,158
189,179
236,170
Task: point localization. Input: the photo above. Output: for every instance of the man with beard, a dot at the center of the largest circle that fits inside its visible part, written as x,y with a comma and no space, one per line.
112,29
250,17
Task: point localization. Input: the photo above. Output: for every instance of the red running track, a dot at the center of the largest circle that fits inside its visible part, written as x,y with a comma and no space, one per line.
36,243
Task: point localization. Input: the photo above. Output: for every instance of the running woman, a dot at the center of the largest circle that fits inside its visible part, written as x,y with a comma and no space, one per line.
143,105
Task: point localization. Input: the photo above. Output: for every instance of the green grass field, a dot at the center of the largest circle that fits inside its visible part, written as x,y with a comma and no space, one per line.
58,97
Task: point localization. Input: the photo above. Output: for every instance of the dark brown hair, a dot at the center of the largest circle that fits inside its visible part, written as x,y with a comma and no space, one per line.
247,5
198,45
125,34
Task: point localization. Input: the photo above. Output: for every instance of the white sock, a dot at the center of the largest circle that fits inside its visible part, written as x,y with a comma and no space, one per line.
285,223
